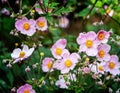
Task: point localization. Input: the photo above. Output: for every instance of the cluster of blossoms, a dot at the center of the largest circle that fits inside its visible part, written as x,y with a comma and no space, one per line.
29,26
96,45
90,44
93,45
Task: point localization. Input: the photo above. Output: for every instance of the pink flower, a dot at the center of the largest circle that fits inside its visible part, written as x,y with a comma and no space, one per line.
25,89
68,62
113,66
63,22
41,24
19,55
103,36
103,54
88,43
47,64
58,49
86,70
25,26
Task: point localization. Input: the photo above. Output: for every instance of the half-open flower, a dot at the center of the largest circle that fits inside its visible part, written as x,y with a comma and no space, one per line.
25,26
58,49
47,64
41,24
19,55
103,36
103,54
63,22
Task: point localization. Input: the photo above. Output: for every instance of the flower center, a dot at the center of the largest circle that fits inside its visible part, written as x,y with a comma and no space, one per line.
89,43
22,54
41,24
100,68
26,91
63,20
58,51
101,53
68,63
101,36
49,65
26,26
111,65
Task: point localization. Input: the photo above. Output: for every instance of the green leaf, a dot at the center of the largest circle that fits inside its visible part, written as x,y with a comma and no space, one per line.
46,2
99,4
83,13
10,77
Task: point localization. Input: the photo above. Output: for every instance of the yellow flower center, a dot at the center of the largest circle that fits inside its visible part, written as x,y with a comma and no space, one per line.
100,68
111,65
108,11
26,26
63,20
41,24
101,36
89,43
58,51
26,91
101,53
49,65
68,63
22,54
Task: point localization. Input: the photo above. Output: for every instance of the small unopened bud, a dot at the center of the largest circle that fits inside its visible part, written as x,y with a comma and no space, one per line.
110,90
13,90
9,65
41,53
43,82
16,44
27,69
34,66
4,61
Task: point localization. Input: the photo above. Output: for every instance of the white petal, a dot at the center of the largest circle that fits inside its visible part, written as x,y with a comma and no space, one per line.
29,52
25,48
16,53
92,52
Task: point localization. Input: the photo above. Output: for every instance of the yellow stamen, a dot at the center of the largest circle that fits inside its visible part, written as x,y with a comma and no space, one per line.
49,65
22,54
41,24
68,63
27,91
89,43
58,51
101,53
101,36
26,26
111,65
100,68
108,11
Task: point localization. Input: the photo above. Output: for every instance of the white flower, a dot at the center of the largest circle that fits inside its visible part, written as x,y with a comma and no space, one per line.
19,55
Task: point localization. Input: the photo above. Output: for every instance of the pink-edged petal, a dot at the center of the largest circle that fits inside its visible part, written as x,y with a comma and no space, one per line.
81,38
75,57
106,57
92,52
82,48
114,58
65,70
91,35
